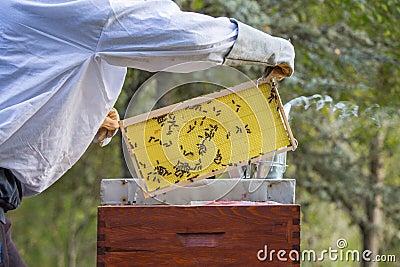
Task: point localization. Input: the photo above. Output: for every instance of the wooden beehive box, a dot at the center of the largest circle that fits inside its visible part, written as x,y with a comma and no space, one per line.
219,235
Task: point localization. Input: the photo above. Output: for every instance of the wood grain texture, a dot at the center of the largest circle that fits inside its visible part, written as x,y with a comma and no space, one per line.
195,235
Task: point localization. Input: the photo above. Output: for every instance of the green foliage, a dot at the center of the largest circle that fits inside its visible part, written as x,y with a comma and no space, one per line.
248,11
348,50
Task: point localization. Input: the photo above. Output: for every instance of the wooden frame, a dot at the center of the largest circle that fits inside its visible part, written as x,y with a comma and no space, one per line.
196,102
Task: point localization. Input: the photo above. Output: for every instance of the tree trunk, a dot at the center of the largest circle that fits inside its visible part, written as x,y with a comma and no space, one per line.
372,231
71,240
72,257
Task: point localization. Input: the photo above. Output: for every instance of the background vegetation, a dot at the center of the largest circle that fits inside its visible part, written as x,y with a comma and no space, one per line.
346,165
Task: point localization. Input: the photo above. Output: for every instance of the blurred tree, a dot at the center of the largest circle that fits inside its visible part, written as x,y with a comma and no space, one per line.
347,49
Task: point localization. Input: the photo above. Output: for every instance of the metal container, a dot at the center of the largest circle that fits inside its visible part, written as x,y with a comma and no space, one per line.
274,168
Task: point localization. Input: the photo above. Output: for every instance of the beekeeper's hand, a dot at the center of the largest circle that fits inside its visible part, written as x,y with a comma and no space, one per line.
279,72
254,47
108,128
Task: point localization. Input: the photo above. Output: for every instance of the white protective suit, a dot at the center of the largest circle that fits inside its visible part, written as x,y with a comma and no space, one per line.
63,64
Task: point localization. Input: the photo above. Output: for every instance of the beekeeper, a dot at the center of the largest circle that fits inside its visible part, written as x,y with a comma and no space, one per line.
63,64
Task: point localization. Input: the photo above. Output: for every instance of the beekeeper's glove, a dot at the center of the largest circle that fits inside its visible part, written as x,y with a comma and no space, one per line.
254,47
108,128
